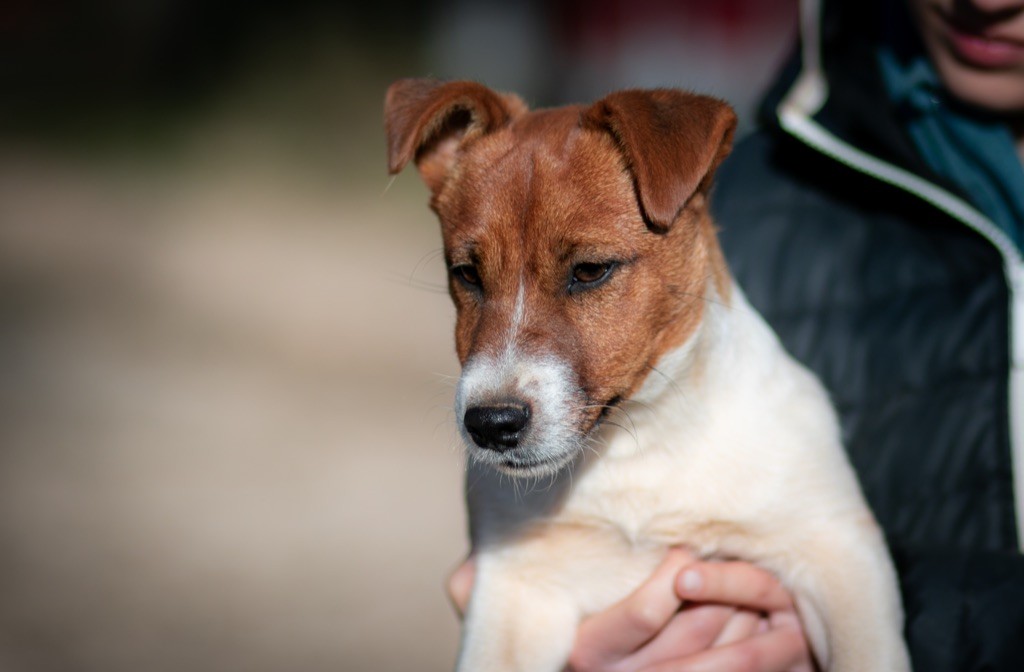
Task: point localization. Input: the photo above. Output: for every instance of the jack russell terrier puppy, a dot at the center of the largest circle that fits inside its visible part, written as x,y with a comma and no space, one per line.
618,394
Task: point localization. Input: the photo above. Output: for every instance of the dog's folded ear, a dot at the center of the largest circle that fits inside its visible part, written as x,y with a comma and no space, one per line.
428,120
672,141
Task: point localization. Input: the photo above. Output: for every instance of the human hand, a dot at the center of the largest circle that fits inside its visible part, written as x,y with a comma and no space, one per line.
693,616
688,616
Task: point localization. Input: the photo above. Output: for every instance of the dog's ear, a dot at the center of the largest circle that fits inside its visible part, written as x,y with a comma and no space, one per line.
427,121
672,141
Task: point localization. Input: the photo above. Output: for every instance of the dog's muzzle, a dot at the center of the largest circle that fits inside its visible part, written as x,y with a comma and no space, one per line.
518,413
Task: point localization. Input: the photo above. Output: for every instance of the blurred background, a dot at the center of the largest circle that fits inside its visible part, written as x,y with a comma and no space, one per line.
225,347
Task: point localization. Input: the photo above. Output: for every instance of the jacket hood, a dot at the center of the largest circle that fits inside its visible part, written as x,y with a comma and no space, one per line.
834,77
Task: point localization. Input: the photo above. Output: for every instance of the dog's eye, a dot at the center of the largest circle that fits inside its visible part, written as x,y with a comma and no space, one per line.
466,274
589,274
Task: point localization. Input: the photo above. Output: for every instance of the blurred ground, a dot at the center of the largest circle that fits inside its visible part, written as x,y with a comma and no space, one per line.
225,349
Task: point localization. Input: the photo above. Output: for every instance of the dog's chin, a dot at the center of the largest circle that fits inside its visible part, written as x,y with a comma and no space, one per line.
524,466
525,469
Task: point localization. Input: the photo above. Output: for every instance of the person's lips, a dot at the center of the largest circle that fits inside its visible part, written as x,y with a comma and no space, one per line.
984,50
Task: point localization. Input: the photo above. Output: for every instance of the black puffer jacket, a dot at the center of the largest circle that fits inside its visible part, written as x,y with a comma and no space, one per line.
902,298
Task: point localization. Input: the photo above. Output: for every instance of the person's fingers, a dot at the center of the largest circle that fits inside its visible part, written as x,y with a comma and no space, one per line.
619,630
691,630
777,650
460,585
784,618
736,583
778,620
743,624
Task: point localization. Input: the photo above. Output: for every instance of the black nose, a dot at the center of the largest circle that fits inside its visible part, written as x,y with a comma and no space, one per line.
497,427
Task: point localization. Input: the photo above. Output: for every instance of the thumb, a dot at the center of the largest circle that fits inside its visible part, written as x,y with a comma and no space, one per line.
460,585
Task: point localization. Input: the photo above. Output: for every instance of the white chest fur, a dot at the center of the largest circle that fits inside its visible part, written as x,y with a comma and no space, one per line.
731,449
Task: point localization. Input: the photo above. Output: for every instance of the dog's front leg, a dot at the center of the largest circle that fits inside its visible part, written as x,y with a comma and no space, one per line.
515,623
850,608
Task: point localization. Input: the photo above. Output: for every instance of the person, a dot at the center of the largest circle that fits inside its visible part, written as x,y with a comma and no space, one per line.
876,220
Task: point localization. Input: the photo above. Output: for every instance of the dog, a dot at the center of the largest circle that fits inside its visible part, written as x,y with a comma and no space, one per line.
618,394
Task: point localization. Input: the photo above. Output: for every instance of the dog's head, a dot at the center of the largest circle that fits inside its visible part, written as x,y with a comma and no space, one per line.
578,245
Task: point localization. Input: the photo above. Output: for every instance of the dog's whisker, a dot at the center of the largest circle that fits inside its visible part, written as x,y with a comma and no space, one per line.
447,413
553,478
417,284
529,485
677,291
423,261
442,387
631,433
615,409
515,489
470,486
445,391
440,406
632,423
442,425
589,446
668,379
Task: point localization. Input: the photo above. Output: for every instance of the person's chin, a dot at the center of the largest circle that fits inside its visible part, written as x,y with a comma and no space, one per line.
998,91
